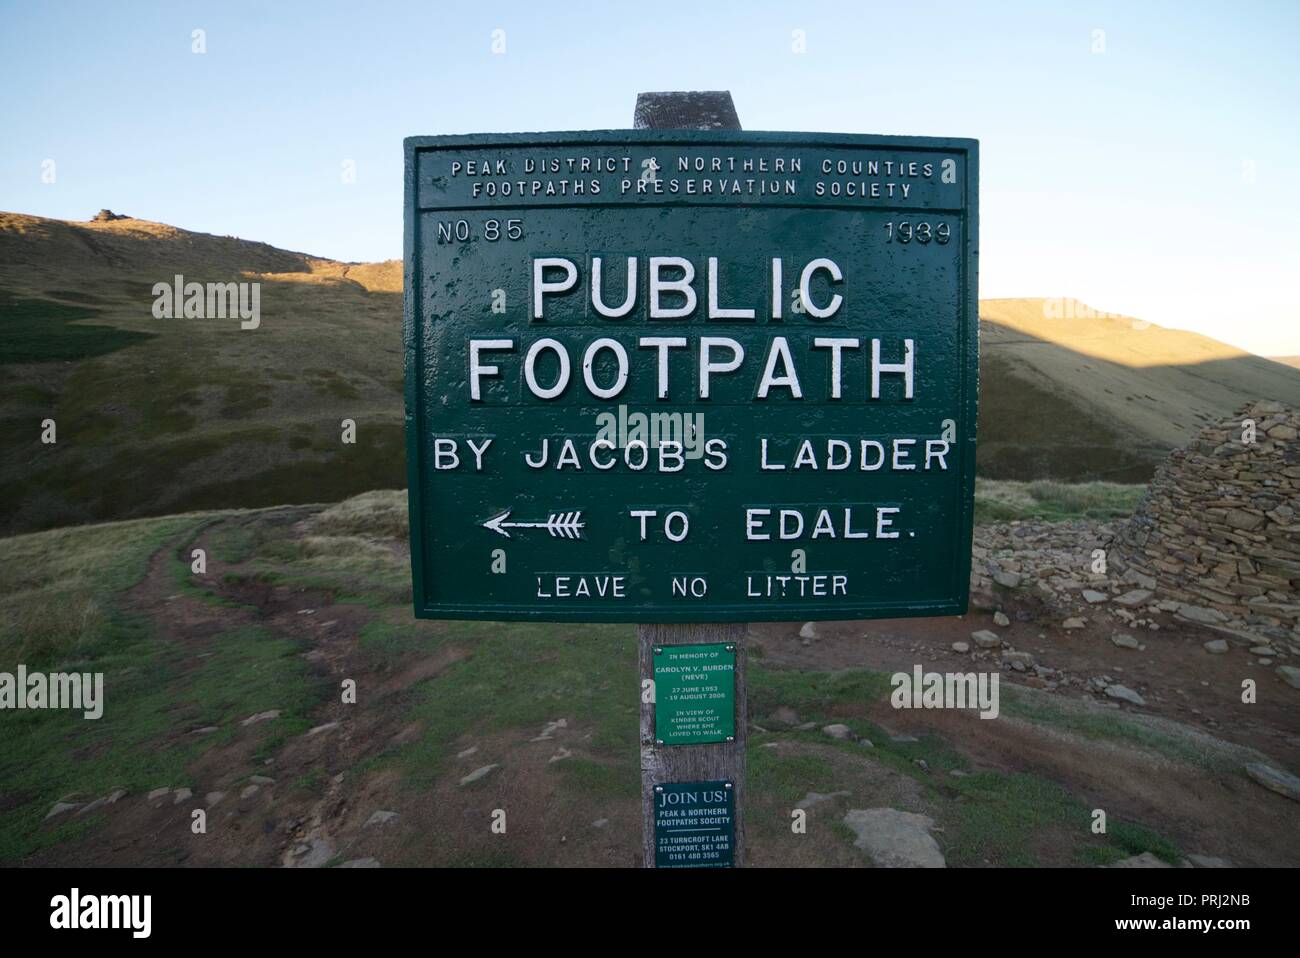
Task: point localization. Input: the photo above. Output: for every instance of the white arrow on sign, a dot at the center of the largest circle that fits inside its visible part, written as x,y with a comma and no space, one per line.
562,525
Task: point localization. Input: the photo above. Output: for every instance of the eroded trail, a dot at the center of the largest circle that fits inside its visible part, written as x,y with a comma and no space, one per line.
312,781
272,795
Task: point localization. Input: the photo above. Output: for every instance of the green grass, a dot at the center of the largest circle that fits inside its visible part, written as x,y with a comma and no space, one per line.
140,743
63,605
1007,820
521,676
388,637
1003,500
813,694
346,552
75,296
381,514
495,858
1124,840
786,777
74,482
40,331
582,776
329,383
182,576
377,460
1001,814
513,676
231,544
154,693
59,591
1113,726
312,782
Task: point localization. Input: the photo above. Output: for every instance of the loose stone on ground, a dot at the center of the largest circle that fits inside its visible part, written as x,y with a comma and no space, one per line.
895,839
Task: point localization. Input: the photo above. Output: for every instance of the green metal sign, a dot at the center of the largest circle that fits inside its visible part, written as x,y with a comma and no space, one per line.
658,376
695,693
695,825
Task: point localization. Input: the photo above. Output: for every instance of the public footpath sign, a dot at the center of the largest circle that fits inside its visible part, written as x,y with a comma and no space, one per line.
690,376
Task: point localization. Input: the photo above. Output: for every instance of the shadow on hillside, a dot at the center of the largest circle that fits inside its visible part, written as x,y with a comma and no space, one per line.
40,331
1050,412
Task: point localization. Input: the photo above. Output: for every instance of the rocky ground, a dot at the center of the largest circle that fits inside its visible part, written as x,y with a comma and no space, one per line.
1055,574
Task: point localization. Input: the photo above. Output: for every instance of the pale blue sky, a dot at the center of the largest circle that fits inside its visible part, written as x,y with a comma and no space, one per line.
1156,178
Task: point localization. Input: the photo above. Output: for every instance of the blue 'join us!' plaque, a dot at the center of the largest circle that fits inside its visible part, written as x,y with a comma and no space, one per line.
695,825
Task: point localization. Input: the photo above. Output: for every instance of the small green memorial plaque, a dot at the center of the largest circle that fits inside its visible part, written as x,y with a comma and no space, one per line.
695,694
695,825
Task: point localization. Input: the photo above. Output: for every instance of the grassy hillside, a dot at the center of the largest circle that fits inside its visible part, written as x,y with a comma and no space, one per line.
162,416
157,416
1000,500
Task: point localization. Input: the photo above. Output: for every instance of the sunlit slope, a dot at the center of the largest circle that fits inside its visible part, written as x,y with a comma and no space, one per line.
1073,394
36,253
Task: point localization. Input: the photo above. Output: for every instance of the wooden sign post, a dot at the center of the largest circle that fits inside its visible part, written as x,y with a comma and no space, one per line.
682,374
722,761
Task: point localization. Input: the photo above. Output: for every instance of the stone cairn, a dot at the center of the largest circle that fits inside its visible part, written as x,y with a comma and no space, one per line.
1218,530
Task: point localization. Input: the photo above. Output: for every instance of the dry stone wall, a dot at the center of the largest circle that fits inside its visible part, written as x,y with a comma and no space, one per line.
1219,528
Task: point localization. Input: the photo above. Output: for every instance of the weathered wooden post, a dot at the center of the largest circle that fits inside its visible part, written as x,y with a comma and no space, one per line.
723,761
